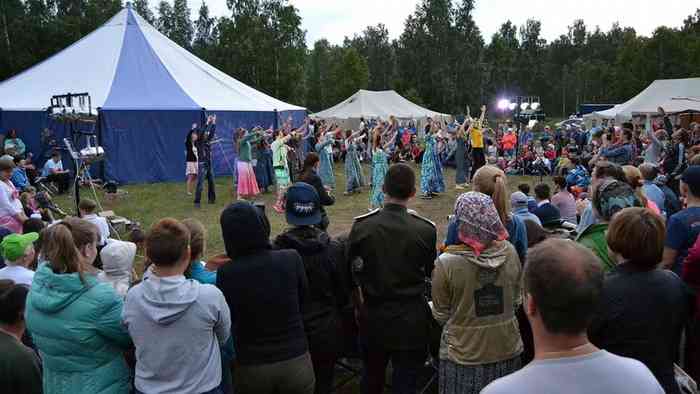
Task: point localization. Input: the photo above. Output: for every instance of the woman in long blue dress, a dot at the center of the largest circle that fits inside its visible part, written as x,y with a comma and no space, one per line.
264,174
355,180
325,153
431,179
380,165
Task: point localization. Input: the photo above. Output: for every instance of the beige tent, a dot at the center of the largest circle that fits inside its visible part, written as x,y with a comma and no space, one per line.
674,95
377,105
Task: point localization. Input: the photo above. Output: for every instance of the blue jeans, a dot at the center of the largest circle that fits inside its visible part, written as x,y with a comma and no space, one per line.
204,170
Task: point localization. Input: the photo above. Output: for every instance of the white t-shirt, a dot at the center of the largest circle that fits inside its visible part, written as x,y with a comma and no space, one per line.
599,372
101,224
19,275
9,205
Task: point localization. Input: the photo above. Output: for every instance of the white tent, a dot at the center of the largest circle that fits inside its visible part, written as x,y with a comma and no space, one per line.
378,105
128,64
672,93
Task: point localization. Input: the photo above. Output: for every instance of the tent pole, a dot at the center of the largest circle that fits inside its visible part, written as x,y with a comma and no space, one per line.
100,143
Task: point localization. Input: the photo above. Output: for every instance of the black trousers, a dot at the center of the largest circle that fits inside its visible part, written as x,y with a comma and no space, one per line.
62,180
478,159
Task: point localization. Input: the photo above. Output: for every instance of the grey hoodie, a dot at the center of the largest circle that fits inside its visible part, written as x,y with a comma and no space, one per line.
177,326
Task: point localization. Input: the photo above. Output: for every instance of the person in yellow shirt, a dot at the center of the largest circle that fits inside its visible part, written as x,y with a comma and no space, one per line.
476,136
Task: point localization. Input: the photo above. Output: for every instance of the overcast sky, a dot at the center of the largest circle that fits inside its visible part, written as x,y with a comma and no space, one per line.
336,19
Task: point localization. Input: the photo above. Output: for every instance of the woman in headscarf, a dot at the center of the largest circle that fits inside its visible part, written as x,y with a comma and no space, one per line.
476,291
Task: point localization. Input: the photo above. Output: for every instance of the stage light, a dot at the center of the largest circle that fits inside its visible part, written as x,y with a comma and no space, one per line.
512,106
503,104
535,105
524,106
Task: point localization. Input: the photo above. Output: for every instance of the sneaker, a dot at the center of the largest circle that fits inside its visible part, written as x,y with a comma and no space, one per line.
426,197
459,187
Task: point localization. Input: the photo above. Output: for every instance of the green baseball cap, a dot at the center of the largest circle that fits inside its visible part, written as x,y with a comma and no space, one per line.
14,245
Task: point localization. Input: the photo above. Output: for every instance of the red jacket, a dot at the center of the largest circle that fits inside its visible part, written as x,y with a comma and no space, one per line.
691,272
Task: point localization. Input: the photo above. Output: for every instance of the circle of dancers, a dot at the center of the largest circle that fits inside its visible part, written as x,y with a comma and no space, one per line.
265,158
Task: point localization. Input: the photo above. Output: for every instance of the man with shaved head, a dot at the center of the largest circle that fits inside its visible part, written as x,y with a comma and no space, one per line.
563,282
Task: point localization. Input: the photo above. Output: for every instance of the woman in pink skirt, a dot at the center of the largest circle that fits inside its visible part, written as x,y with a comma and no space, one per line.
247,185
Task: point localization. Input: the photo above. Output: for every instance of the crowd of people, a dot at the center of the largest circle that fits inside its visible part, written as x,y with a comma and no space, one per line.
586,284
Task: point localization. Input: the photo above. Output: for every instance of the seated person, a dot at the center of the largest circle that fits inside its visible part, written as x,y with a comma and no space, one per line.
53,171
13,145
88,212
19,175
18,252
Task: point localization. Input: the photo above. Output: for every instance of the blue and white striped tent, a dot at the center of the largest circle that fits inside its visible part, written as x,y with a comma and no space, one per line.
149,91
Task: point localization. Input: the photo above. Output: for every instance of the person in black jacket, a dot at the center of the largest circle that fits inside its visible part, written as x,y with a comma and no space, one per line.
264,289
205,137
643,309
328,292
310,175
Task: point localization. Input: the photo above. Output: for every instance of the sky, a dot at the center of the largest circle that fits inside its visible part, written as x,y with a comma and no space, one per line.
336,19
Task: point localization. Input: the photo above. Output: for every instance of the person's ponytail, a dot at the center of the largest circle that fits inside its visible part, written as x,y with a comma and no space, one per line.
60,250
500,197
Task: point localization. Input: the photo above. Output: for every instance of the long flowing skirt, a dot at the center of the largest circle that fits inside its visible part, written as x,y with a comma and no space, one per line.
471,379
264,174
247,185
353,172
431,178
326,170
379,169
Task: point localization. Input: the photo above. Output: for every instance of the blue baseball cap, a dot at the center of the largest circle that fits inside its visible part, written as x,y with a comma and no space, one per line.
303,206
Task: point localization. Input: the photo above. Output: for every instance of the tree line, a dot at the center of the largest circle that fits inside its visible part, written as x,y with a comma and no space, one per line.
441,59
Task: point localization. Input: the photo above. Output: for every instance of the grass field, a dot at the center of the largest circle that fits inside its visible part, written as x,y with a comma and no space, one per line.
147,203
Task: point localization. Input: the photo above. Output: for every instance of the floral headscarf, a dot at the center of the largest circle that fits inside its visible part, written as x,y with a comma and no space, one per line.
478,220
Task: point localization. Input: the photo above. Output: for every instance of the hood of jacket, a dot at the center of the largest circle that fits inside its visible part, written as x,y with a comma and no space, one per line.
245,229
52,292
492,257
306,240
165,300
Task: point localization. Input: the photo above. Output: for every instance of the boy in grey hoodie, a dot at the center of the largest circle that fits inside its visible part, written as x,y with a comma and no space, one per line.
177,324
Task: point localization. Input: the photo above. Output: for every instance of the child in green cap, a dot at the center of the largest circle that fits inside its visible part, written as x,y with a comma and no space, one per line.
18,251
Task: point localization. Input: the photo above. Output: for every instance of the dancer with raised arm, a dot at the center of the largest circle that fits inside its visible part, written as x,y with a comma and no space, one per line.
247,186
380,165
476,135
325,152
279,163
431,179
355,180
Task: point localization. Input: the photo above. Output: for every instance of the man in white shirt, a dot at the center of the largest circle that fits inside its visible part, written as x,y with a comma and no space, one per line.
87,209
18,251
563,281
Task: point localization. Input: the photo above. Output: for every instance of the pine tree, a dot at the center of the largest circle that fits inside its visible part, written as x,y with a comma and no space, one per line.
142,8
182,30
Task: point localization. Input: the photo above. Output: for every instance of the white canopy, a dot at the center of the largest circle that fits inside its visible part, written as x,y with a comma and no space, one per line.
382,104
674,95
127,64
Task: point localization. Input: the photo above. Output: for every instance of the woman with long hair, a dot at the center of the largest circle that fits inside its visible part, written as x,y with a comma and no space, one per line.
380,165
75,320
431,179
635,180
264,173
247,185
191,159
355,180
325,152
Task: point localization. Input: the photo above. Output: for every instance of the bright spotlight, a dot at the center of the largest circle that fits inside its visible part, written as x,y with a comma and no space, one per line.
512,106
535,105
524,106
503,104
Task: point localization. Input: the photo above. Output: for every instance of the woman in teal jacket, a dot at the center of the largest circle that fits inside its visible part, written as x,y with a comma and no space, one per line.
75,320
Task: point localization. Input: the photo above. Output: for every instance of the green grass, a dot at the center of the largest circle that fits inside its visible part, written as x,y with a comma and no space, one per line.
146,203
